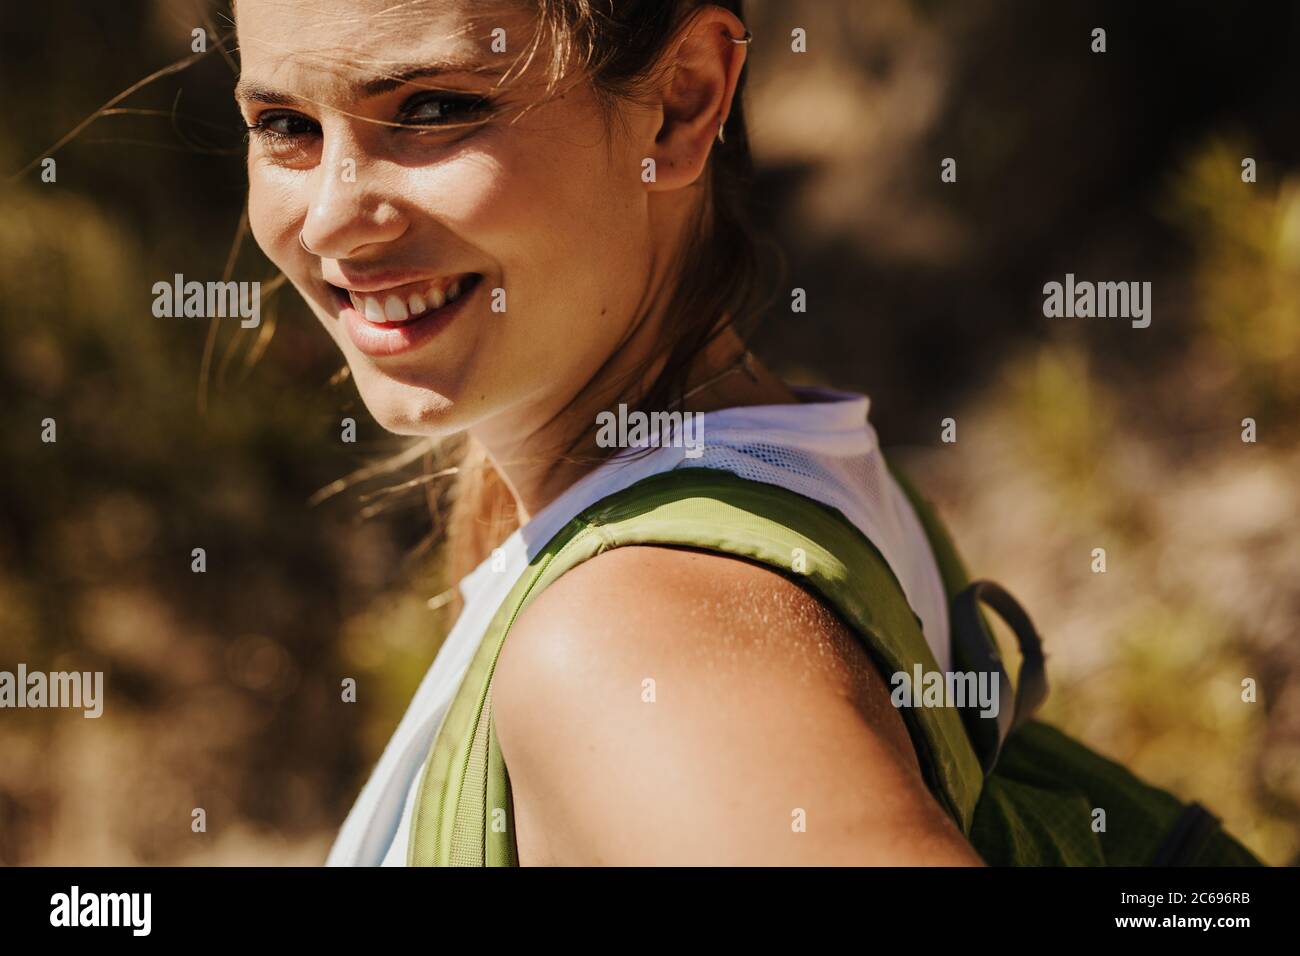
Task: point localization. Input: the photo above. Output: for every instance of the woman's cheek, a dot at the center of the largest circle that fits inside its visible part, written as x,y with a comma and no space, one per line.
473,197
271,217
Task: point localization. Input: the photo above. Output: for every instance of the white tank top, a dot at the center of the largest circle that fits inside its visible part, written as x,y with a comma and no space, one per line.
823,448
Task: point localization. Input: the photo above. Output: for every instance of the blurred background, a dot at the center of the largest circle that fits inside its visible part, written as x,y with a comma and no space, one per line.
1073,434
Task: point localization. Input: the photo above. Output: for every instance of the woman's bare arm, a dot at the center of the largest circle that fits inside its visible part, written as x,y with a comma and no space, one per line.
665,706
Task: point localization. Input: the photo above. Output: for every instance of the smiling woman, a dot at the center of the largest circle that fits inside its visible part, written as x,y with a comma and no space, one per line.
513,218
458,191
399,148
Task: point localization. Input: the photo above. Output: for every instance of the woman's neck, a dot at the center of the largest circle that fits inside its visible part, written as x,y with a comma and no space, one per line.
725,375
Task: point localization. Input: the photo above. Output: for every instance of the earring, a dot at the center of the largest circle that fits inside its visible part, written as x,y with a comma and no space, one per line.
722,136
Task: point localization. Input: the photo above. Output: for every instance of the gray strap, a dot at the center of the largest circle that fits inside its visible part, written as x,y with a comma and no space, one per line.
975,648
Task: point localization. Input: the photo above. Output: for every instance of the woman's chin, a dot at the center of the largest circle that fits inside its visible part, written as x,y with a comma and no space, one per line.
407,409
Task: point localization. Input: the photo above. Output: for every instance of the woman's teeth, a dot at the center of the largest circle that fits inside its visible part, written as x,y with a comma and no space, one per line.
393,309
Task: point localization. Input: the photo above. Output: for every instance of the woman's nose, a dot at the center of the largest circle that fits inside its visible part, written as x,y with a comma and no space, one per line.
348,209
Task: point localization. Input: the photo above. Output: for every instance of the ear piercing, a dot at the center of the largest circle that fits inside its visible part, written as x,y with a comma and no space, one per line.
722,136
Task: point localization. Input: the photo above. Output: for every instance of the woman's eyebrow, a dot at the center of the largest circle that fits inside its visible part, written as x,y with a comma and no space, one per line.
251,91
402,75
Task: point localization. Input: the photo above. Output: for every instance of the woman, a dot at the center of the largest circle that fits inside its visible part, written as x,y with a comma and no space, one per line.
513,218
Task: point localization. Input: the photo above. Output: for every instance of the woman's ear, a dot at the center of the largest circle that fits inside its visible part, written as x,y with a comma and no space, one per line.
702,68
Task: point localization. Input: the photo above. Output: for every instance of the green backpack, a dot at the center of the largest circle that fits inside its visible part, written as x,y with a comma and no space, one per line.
1021,791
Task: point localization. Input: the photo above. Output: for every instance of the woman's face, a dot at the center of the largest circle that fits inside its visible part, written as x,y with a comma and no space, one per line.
543,227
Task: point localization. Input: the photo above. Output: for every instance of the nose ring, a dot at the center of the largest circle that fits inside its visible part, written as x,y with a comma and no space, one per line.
303,242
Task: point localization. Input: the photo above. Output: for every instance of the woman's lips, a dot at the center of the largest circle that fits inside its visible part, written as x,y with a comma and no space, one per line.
382,324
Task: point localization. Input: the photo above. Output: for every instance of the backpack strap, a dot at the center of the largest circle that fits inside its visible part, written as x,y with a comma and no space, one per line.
974,645
951,568
974,649
463,814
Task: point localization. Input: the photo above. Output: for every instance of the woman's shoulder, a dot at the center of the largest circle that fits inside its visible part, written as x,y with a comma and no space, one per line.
661,705
680,609
650,678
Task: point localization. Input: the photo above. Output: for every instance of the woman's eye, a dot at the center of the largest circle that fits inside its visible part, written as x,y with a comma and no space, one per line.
285,133
439,109
283,129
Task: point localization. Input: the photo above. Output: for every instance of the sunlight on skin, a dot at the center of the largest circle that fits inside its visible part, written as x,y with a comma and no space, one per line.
542,202
346,193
